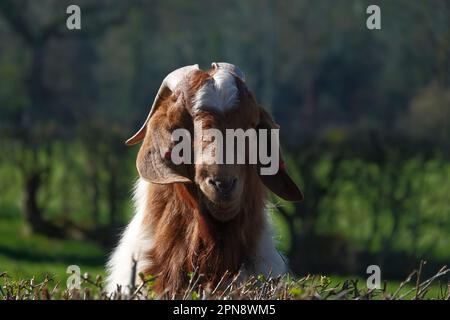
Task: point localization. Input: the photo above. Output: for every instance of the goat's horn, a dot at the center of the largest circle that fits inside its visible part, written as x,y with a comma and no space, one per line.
230,67
169,83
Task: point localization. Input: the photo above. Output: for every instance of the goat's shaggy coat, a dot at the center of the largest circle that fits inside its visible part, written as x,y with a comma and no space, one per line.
169,236
173,232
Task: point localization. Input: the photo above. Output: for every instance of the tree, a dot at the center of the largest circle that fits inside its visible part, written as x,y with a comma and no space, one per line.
39,122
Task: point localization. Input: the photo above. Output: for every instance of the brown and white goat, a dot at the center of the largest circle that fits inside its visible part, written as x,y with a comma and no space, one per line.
208,218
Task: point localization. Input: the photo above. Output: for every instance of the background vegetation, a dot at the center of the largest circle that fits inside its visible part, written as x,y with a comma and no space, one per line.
365,120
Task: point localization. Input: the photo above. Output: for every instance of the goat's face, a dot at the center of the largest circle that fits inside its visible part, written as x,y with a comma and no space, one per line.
207,104
223,182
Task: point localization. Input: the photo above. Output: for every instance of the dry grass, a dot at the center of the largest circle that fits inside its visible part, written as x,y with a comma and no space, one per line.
257,288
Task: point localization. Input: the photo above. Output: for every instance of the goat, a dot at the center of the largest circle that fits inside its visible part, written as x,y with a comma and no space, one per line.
208,218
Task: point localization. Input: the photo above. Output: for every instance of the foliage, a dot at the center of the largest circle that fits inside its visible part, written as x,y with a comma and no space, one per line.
255,288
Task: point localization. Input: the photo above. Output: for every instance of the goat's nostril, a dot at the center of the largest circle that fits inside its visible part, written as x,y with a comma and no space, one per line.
233,183
224,185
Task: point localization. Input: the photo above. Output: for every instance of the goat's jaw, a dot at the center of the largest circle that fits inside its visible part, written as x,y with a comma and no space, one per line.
222,211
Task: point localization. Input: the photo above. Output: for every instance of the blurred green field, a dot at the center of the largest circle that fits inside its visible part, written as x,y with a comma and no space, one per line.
25,255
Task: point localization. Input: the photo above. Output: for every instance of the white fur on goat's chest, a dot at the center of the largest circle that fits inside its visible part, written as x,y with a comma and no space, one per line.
219,94
137,239
134,242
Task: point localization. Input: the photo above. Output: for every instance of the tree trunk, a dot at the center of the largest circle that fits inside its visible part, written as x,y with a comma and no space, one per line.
33,213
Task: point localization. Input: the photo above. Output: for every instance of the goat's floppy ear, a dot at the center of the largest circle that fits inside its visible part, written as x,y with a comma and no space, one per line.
154,158
280,183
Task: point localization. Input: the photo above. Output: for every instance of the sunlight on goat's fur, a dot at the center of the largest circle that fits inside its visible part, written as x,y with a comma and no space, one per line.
208,219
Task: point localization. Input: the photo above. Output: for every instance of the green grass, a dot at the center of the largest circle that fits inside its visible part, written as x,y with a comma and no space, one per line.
255,288
435,291
25,255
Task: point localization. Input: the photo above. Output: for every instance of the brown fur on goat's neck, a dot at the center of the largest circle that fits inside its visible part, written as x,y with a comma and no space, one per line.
187,238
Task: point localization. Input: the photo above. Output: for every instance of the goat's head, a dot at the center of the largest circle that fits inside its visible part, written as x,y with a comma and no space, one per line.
204,103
